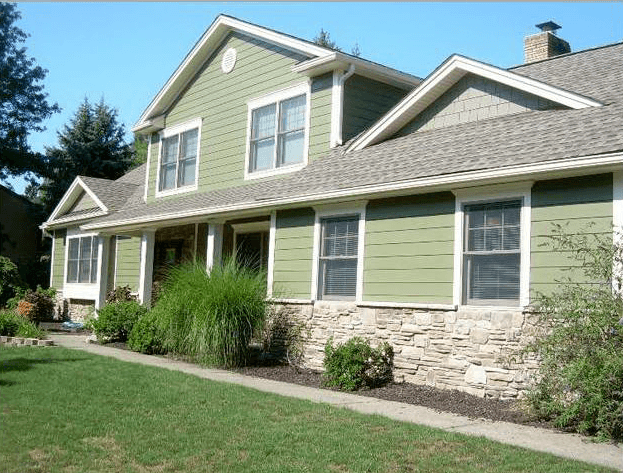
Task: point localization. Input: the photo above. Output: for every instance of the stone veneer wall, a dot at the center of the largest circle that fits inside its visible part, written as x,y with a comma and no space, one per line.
470,350
76,310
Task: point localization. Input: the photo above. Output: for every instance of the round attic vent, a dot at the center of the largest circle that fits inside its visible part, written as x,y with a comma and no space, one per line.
229,61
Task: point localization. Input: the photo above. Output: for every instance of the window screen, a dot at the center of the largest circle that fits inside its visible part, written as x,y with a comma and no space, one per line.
179,160
337,272
491,255
82,260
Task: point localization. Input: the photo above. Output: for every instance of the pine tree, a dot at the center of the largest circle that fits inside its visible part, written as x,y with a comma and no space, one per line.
92,144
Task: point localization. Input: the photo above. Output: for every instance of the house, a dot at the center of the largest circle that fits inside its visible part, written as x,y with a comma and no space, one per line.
20,237
379,204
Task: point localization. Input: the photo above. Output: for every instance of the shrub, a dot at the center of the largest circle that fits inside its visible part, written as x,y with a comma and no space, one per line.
282,337
580,378
145,336
210,317
12,324
42,304
120,294
115,321
10,280
355,364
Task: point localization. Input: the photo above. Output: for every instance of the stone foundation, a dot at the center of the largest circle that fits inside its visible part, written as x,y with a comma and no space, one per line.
76,310
470,349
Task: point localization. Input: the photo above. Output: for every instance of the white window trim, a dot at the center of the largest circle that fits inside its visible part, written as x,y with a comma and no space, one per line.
494,193
274,97
82,290
176,130
338,210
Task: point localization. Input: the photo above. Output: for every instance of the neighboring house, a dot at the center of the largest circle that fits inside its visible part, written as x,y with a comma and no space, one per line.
20,237
378,203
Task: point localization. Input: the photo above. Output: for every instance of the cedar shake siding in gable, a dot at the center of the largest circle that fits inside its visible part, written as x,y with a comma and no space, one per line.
294,240
471,99
581,206
128,262
221,101
409,248
365,101
58,266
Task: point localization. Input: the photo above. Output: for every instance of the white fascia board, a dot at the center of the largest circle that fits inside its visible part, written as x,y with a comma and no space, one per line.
336,61
599,163
70,196
443,78
202,51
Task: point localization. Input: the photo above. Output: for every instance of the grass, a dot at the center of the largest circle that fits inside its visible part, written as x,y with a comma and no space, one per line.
68,411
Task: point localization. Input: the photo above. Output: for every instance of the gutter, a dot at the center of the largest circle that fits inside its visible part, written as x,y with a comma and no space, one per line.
607,162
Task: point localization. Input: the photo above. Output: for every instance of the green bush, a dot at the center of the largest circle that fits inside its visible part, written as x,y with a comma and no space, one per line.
580,379
210,317
10,280
355,364
42,301
115,321
14,325
145,336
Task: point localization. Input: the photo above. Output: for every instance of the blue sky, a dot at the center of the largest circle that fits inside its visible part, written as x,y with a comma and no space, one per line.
125,52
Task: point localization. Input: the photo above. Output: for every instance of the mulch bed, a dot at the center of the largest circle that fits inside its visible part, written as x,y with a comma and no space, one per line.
439,399
443,400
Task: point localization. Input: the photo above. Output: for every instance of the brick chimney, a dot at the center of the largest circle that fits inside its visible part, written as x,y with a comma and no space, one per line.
545,44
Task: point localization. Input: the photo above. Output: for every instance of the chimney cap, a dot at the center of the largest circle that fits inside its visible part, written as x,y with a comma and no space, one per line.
548,26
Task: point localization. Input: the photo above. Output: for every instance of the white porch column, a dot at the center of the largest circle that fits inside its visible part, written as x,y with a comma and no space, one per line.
103,248
148,238
215,245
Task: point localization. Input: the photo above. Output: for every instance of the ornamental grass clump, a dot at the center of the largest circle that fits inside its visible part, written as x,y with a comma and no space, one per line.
355,364
207,316
580,379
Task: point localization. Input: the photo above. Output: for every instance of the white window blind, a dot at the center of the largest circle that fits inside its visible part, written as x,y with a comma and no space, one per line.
492,253
337,270
82,260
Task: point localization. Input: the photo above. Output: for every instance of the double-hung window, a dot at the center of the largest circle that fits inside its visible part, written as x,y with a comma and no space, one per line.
277,133
338,258
492,253
82,259
178,159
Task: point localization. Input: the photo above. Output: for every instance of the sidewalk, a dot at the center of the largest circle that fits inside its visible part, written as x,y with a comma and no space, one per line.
565,445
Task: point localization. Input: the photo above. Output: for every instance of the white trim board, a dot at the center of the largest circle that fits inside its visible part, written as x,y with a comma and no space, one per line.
69,198
443,78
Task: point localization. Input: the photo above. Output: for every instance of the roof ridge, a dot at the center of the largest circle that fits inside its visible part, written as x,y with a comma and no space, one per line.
553,58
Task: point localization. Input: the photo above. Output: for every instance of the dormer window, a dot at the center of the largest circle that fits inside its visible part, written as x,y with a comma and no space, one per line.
179,156
278,132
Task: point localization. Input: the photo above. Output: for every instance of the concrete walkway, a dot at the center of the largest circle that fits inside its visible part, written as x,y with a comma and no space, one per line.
561,444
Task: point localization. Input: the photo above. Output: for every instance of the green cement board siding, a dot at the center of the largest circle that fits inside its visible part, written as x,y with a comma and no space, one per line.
294,240
128,262
83,202
221,101
58,266
581,206
409,249
365,101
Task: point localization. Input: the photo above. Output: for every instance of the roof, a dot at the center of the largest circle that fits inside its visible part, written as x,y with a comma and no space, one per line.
516,146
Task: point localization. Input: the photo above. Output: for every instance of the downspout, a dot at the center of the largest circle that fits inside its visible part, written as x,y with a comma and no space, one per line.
340,115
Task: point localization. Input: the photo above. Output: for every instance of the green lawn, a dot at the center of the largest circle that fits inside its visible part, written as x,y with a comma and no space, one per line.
68,411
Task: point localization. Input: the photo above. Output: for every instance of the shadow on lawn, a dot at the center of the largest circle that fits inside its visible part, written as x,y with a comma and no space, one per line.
25,364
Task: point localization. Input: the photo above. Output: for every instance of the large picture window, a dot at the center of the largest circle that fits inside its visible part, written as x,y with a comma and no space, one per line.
338,257
82,260
492,253
277,134
178,160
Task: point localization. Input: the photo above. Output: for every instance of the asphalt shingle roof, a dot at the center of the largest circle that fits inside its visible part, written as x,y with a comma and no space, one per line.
523,138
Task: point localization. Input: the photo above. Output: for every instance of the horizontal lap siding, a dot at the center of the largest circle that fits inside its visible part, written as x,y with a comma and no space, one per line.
294,237
58,267
221,101
409,247
580,206
128,262
365,101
